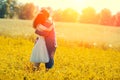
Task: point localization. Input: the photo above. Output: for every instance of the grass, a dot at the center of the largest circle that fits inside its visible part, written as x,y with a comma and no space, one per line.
74,58
83,34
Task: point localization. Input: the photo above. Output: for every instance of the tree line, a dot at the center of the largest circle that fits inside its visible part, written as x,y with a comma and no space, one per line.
12,9
88,15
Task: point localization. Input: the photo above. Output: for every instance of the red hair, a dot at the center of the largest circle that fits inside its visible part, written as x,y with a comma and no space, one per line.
40,18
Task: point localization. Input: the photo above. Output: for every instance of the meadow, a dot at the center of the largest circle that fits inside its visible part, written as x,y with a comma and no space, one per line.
85,52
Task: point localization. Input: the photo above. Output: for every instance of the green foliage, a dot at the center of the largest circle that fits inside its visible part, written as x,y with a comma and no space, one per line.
11,9
2,8
7,8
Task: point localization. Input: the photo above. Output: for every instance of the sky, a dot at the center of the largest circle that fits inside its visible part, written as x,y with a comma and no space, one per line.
78,5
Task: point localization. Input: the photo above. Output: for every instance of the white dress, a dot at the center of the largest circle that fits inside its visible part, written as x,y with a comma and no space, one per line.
39,52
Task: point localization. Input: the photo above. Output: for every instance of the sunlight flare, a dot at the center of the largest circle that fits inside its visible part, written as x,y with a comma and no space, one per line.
78,4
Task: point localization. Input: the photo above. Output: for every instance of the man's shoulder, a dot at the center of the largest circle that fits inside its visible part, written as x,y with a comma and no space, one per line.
48,23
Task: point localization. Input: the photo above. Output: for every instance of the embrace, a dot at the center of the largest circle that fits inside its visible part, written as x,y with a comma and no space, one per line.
45,44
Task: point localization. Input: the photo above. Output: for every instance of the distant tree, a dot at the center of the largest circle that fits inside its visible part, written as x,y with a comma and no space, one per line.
105,17
70,15
88,15
112,21
2,8
11,6
8,8
117,19
57,15
97,18
27,11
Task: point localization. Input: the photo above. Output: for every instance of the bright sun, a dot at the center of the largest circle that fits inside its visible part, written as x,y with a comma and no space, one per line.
78,4
63,4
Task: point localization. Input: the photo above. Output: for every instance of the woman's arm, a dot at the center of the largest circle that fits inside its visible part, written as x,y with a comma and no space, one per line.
41,27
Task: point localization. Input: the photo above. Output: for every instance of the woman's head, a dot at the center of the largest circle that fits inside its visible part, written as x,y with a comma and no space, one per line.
45,13
41,18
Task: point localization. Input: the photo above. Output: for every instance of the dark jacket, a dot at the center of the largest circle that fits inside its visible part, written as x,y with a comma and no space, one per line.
50,38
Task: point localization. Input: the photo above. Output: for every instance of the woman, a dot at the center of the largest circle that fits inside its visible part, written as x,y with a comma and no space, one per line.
40,53
51,44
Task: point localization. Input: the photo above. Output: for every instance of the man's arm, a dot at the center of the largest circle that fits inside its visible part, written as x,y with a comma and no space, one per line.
42,33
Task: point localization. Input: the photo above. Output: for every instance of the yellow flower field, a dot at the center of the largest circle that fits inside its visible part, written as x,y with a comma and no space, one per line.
71,62
84,52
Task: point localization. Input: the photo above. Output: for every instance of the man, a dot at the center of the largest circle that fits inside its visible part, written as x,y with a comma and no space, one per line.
50,39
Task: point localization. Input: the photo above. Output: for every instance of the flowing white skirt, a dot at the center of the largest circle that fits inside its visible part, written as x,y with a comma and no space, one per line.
39,52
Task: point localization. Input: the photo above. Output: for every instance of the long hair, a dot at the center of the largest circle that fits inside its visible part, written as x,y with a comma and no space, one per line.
40,18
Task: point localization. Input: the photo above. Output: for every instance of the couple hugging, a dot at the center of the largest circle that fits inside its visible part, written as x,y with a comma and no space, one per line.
45,45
